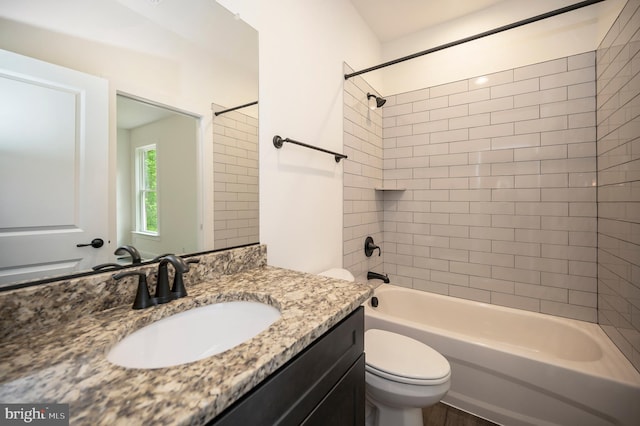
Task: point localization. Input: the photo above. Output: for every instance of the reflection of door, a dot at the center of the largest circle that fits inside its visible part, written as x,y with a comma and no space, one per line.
53,169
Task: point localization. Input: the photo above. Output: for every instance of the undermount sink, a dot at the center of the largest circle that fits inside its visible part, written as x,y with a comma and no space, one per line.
193,335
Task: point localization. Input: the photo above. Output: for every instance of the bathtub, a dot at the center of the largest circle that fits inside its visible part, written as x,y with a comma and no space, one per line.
516,367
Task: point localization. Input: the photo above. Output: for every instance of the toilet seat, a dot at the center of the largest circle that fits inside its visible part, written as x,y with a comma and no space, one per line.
405,360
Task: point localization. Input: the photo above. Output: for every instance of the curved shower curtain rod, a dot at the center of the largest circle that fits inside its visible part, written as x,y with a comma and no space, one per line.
477,36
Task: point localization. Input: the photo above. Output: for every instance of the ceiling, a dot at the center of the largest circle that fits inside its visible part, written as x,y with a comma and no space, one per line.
393,19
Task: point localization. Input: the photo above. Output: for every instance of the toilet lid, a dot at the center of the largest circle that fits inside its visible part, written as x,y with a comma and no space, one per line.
403,359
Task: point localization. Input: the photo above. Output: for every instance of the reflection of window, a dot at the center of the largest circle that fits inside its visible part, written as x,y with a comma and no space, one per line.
147,189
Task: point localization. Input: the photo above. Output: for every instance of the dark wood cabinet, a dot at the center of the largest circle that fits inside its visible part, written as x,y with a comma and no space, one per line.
323,385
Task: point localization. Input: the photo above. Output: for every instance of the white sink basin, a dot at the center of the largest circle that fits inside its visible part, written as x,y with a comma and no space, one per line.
192,335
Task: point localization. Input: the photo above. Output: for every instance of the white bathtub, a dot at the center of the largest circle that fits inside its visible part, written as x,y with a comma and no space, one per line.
516,367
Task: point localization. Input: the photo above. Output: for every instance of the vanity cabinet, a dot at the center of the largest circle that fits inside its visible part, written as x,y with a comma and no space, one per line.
322,385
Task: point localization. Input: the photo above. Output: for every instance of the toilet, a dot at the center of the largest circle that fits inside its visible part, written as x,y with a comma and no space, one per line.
402,375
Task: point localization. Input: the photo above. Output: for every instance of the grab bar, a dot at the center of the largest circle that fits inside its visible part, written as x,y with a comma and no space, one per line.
278,142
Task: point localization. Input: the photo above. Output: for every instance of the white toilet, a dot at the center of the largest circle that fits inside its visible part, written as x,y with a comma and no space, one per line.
402,375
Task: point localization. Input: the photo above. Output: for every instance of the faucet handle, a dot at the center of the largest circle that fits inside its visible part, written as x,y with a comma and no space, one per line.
143,298
178,290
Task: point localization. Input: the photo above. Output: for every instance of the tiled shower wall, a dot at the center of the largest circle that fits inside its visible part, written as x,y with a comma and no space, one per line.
235,158
500,199
618,88
363,172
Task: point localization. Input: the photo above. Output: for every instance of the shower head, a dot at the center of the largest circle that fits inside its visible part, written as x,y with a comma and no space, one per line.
378,101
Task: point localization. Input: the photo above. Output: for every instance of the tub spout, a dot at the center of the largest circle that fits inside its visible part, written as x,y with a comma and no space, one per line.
377,276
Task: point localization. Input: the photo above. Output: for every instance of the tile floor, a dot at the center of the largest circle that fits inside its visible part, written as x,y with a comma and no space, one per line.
444,415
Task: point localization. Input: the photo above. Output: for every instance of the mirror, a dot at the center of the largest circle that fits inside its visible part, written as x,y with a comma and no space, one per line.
182,64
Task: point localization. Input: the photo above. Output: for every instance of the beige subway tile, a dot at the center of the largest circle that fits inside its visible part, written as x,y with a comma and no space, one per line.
543,68
516,141
582,75
471,195
490,157
569,195
583,238
516,302
450,254
559,180
516,248
470,146
491,131
582,90
450,230
470,293
558,266
449,136
498,259
473,269
516,88
504,234
431,103
432,149
569,311
449,112
493,207
450,278
449,160
413,96
499,104
582,180
515,195
512,274
516,168
542,292
449,88
570,282
568,136
491,182
543,209
470,121
431,127
540,97
573,106
481,94
518,222
470,244
583,298
542,236
585,269
492,284
413,118
515,114
450,183
546,124
582,60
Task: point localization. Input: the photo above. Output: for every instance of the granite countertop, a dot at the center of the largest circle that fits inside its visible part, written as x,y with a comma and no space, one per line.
67,363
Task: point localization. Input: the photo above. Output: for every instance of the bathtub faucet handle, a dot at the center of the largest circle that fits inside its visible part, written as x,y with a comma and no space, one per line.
370,247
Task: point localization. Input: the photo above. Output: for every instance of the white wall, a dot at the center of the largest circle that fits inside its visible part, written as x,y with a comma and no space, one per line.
568,34
303,45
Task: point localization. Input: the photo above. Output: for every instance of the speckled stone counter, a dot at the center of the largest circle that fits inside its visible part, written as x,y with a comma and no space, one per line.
66,362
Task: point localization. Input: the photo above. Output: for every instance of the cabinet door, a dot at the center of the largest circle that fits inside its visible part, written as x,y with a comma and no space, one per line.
344,405
289,395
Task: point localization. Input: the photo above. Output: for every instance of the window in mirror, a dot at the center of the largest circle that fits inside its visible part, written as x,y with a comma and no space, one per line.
147,190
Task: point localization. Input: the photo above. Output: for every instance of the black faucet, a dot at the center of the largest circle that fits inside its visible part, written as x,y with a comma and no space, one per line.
163,293
143,298
377,276
131,251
